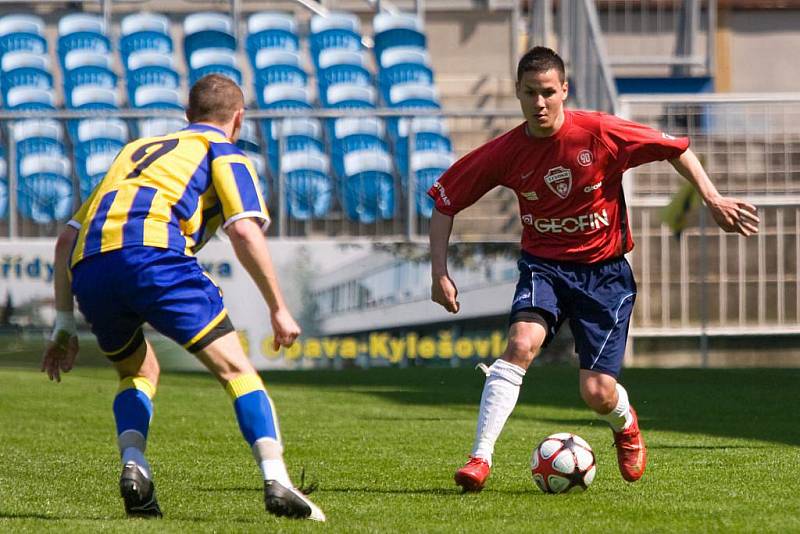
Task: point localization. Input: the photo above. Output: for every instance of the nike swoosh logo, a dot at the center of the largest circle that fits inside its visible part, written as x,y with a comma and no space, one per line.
524,176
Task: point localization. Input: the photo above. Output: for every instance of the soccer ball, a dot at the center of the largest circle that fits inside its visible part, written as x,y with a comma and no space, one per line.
563,463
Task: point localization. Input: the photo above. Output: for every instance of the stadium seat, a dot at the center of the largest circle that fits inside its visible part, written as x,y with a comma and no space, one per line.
97,143
400,29
147,67
292,134
85,67
426,168
336,30
159,126
205,61
339,66
23,68
92,97
345,96
430,134
248,137
278,66
207,30
271,30
144,32
3,185
26,97
308,189
37,137
284,96
367,192
156,96
45,188
403,65
82,31
352,134
22,33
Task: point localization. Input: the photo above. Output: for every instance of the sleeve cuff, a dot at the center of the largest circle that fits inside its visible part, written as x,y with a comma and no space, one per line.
73,223
248,214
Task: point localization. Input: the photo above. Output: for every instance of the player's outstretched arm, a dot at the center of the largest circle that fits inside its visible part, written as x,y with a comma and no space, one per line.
251,250
62,348
443,289
731,214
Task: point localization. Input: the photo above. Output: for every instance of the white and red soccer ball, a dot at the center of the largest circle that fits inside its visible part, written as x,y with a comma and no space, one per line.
563,463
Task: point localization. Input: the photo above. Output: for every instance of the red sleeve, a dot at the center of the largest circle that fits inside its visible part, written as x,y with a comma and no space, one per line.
467,180
636,144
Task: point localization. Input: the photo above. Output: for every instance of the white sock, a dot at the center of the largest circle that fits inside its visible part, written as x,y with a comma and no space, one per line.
500,393
269,457
620,417
132,446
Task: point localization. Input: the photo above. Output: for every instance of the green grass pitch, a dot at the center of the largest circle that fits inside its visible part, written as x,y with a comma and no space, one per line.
724,453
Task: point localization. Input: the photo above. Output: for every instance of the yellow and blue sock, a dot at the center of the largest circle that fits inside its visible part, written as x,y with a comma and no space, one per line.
259,425
133,411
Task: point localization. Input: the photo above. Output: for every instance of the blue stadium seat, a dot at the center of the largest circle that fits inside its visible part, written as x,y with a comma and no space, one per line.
22,32
92,97
308,189
82,31
248,137
84,67
290,135
45,188
404,65
284,96
351,134
156,97
150,68
430,134
205,61
3,185
37,137
367,192
159,126
26,97
207,30
25,69
144,32
400,29
348,96
426,168
278,66
96,141
336,30
339,66
271,30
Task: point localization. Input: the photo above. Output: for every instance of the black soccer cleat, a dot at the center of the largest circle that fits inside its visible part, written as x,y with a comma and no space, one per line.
289,502
139,493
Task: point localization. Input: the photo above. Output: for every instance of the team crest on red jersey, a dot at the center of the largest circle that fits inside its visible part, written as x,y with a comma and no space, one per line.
559,180
585,158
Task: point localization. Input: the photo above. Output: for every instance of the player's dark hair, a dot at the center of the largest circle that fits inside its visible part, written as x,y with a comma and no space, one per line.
214,98
541,59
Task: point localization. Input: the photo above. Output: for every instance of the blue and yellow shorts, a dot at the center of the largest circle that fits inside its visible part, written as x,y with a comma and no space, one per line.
119,291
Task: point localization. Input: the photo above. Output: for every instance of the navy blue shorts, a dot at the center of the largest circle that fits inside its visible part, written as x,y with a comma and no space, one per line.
119,291
596,298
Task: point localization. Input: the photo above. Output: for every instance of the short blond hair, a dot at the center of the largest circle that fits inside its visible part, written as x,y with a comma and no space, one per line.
214,98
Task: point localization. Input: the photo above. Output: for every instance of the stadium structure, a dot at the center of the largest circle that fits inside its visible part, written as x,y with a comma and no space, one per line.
356,107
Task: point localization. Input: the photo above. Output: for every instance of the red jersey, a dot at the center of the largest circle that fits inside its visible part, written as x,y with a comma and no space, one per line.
569,185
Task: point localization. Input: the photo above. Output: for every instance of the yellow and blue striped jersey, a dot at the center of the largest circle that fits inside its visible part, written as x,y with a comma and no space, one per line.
171,192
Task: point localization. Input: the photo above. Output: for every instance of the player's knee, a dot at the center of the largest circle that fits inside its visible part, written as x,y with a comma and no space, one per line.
520,351
598,396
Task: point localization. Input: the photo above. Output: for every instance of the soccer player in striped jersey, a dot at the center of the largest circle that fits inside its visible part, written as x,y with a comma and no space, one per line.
129,252
566,169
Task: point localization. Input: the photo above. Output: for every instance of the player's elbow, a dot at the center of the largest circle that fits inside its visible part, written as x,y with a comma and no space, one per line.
244,230
65,241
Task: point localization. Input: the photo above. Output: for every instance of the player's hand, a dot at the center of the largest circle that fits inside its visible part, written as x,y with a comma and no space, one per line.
445,293
734,215
284,328
59,355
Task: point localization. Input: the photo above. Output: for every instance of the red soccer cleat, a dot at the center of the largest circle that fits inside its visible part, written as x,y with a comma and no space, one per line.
631,451
472,476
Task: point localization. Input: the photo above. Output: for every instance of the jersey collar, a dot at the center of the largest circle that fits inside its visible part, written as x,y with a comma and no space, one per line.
201,127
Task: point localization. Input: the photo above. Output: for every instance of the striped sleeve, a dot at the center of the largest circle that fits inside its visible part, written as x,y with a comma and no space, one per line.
236,182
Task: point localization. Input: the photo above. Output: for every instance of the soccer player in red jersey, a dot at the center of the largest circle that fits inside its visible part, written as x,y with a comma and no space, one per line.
566,168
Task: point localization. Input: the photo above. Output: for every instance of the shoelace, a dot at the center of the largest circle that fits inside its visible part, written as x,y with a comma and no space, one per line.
302,488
